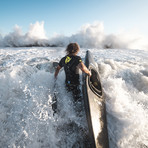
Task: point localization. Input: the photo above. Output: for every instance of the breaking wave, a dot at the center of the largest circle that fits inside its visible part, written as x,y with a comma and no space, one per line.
89,36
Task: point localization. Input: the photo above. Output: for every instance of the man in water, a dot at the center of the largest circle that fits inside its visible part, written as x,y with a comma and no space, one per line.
72,63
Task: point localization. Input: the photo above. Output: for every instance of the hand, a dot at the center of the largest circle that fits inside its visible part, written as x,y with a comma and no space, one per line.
89,73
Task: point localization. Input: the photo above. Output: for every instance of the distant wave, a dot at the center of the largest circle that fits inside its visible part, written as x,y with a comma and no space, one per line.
89,36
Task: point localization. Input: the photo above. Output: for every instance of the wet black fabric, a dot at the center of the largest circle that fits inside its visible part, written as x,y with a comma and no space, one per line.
76,92
70,64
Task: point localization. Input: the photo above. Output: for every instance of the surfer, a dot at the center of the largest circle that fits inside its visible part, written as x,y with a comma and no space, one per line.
72,63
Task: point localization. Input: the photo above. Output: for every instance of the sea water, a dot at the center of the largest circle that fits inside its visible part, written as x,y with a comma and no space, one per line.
26,90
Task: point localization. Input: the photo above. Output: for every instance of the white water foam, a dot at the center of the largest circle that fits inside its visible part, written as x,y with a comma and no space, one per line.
26,88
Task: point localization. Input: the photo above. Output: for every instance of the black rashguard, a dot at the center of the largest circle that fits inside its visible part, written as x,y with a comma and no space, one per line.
70,64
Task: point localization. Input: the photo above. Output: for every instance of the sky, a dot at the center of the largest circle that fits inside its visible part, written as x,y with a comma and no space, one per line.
67,16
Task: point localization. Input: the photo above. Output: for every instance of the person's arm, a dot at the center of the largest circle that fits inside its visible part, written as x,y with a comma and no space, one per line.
84,68
57,71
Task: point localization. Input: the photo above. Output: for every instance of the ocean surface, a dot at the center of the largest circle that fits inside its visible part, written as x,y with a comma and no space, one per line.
26,90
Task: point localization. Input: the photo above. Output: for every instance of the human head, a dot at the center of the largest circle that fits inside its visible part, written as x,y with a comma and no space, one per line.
72,48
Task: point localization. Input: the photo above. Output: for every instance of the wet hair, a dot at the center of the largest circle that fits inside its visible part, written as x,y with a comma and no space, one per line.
72,48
